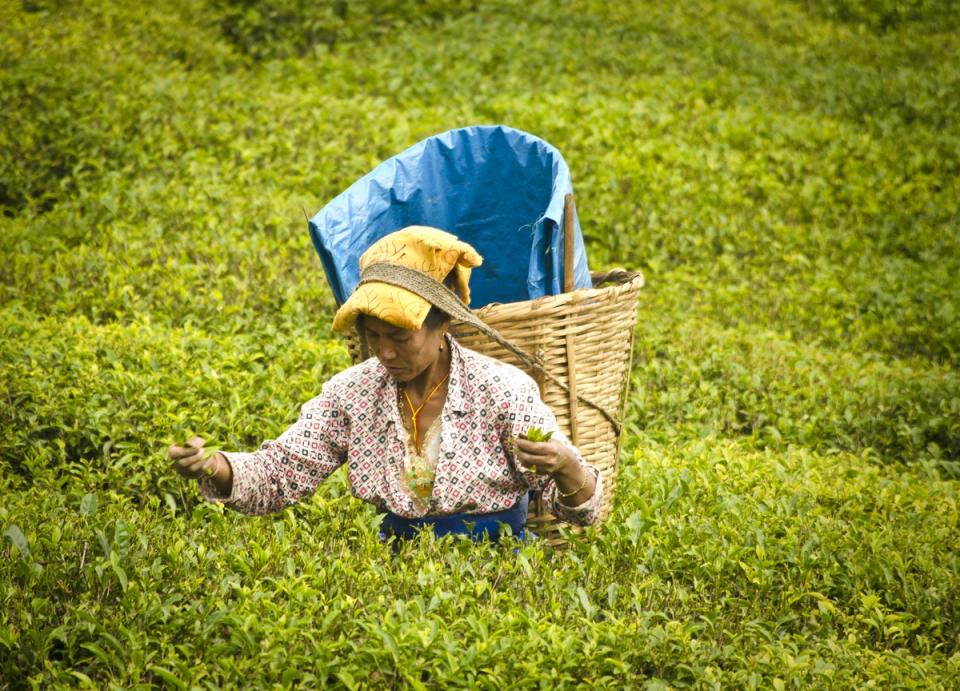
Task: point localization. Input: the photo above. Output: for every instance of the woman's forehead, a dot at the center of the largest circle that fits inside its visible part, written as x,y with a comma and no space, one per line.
384,327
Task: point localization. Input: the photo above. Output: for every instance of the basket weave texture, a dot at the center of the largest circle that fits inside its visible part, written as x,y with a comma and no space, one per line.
585,339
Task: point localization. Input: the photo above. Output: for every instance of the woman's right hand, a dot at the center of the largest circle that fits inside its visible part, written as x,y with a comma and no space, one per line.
189,461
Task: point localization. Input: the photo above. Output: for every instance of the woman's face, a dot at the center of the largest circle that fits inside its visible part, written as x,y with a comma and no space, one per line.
405,353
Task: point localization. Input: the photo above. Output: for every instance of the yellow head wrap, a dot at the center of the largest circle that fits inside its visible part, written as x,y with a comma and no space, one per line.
428,250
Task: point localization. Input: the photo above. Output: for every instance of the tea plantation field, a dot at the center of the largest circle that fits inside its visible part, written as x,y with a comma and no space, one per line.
786,175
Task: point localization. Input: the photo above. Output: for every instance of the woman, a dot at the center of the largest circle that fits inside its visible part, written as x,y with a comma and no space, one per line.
432,433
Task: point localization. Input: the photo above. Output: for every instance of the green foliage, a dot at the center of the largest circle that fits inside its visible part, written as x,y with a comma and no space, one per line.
722,566
72,88
787,176
286,28
709,380
536,434
886,15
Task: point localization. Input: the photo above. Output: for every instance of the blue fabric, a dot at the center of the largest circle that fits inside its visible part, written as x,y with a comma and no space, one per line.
477,526
495,187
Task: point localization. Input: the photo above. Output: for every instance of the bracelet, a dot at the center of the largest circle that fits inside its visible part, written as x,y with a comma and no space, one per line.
576,491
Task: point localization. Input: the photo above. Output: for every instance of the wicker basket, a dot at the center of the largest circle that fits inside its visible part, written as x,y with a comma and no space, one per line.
585,339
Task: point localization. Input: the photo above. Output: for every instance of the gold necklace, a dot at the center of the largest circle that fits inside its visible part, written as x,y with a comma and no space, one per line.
415,412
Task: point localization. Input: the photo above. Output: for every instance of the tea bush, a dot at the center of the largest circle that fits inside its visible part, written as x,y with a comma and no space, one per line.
285,28
787,176
882,16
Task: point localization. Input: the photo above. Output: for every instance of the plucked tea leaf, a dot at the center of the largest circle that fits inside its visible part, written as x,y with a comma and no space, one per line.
536,434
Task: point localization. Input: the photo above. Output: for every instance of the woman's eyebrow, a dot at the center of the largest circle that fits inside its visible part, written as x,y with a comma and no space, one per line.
389,332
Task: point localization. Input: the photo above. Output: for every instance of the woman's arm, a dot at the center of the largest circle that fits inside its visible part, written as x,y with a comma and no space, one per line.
575,482
572,487
284,470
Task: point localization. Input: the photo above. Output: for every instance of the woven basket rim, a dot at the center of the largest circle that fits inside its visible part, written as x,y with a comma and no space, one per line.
616,280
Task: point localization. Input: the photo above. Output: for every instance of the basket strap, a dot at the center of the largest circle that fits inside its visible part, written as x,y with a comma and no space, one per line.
442,297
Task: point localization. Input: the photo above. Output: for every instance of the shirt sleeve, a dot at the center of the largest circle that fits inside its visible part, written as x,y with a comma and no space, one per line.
284,470
528,410
582,514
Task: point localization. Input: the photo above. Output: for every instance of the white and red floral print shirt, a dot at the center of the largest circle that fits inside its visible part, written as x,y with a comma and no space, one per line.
356,420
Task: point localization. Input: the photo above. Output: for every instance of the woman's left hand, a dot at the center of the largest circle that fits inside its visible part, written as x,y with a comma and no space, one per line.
545,457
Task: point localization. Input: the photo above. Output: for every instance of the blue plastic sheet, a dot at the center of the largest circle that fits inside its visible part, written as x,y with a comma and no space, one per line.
495,187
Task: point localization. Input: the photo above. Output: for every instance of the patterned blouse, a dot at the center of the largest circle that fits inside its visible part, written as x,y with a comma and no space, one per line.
356,420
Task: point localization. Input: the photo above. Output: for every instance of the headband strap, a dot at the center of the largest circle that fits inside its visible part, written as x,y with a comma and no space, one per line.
445,299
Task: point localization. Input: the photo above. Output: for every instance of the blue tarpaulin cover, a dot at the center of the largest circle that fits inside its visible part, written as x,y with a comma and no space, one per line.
495,187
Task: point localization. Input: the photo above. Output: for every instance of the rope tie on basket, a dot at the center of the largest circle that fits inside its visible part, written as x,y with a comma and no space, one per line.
442,297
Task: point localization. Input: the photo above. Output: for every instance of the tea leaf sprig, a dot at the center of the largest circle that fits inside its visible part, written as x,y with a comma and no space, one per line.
538,435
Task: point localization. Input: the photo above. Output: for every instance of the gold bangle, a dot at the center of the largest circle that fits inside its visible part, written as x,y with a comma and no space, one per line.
210,472
576,491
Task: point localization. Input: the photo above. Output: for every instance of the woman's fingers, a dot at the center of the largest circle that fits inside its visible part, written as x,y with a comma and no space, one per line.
195,469
175,453
536,448
188,461
193,445
207,466
539,457
547,457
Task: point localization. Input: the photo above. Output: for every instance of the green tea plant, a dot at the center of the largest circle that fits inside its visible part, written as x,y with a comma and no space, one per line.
787,177
284,28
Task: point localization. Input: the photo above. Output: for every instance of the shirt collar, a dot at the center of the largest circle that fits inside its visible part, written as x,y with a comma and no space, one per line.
458,377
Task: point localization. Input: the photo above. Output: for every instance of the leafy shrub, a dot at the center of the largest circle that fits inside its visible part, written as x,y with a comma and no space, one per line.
722,566
787,506
100,402
728,382
886,15
74,108
285,28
